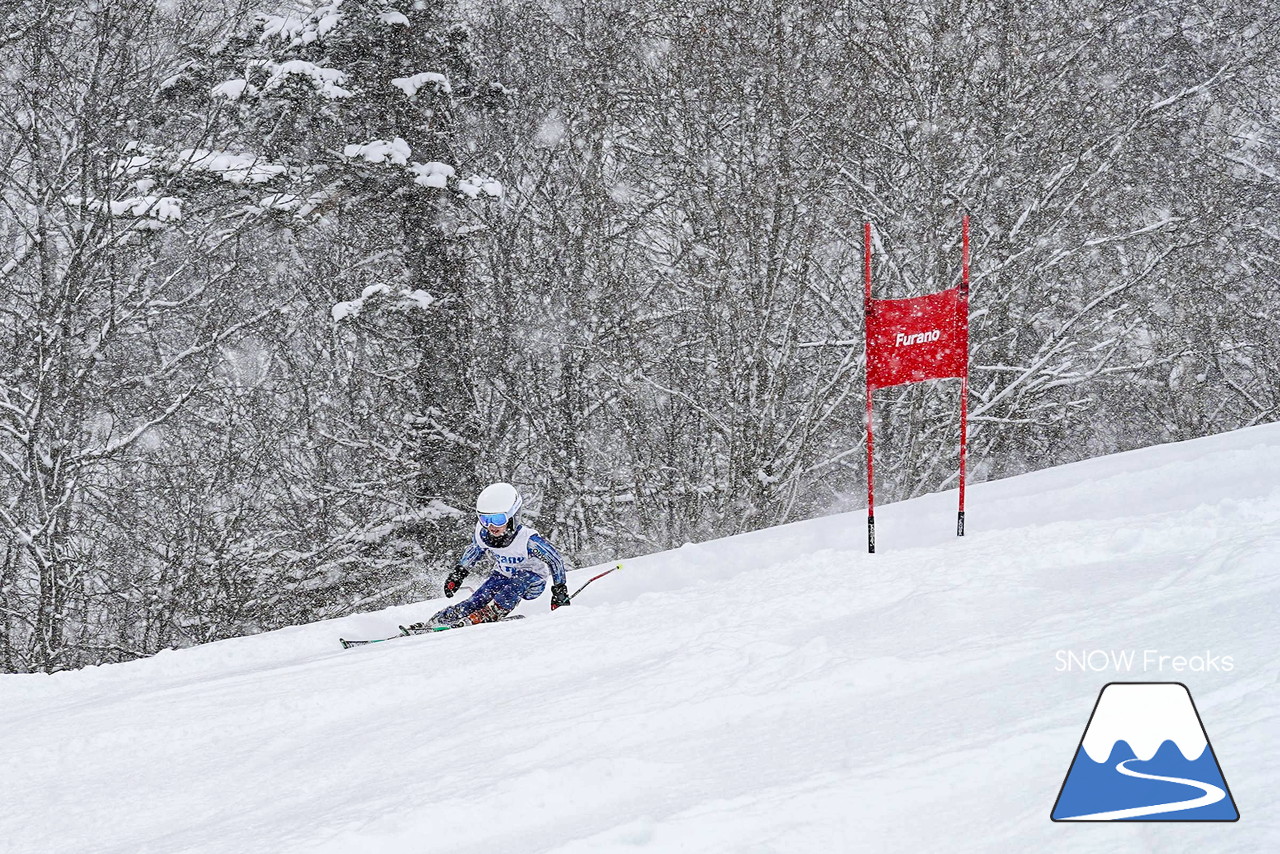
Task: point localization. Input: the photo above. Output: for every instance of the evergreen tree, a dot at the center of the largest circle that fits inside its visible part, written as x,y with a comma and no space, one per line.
356,113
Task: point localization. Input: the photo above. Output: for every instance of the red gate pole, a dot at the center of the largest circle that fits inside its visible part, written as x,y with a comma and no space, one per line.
964,378
867,309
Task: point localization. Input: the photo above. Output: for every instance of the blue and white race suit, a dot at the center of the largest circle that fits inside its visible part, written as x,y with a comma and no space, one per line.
520,571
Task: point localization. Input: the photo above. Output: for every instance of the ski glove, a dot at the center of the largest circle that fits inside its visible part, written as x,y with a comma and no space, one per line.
559,596
454,581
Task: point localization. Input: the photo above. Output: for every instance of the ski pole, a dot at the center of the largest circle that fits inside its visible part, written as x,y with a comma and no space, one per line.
593,578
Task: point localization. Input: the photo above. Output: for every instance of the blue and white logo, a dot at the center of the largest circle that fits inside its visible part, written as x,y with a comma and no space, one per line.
1145,756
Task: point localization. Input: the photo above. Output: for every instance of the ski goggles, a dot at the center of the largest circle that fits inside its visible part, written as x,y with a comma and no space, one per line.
494,520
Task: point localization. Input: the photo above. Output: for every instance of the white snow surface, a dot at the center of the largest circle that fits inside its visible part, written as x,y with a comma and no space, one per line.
327,81
432,174
473,186
231,89
394,151
235,168
159,209
302,31
779,691
410,85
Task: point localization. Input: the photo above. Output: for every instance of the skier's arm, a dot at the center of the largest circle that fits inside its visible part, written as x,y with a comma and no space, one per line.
471,556
469,559
545,552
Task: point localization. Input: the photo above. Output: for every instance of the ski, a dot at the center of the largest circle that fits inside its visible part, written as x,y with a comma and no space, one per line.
405,632
347,644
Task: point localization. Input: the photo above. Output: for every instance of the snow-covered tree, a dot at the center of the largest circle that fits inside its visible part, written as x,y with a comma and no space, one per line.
114,317
357,117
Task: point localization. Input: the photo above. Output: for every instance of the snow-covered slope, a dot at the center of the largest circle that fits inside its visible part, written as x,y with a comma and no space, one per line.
781,691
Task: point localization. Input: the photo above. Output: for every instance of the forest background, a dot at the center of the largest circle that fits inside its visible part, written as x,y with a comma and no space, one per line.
283,285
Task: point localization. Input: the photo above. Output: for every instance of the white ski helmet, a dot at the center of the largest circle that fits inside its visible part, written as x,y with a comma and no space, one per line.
498,504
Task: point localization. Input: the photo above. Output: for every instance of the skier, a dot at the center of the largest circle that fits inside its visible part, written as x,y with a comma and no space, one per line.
522,562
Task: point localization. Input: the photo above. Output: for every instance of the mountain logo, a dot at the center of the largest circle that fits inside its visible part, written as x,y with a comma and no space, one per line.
1145,756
